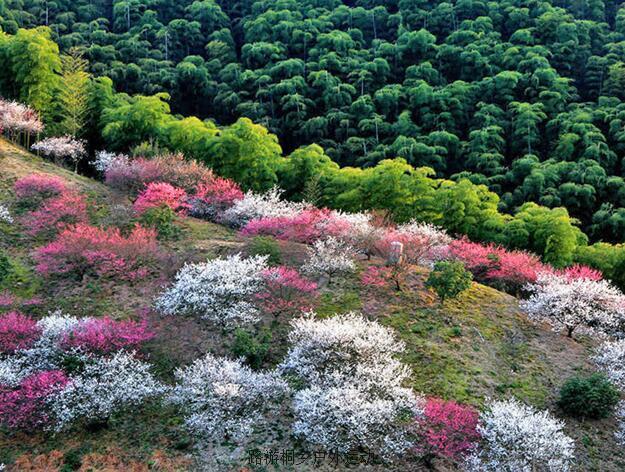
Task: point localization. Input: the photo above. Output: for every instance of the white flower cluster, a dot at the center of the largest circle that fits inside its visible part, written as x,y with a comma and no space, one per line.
363,235
329,257
588,305
62,147
610,358
19,118
103,387
620,417
223,398
5,215
104,160
516,437
45,354
220,290
353,395
260,205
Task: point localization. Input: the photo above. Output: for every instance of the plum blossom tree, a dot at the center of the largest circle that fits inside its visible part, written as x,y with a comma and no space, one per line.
221,291
32,190
223,399
57,213
63,147
363,234
103,387
574,303
5,215
213,197
105,160
516,437
610,358
620,416
157,194
17,118
260,205
286,292
353,395
329,257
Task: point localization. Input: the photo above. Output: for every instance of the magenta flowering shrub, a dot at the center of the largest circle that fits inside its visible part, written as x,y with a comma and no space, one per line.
17,332
34,189
25,406
159,194
377,276
496,266
56,213
307,226
578,271
134,175
447,429
214,196
286,292
105,335
84,249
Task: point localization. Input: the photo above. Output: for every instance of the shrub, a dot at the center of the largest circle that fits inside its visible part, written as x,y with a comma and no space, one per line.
589,397
105,335
447,429
32,190
104,386
221,291
285,292
6,268
493,265
26,406
17,332
223,399
257,206
330,257
162,219
57,213
213,197
134,175
159,194
265,246
84,249
253,348
449,279
516,437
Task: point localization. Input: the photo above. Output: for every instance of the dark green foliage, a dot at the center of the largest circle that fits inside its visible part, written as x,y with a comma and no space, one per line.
5,267
253,347
163,219
591,397
449,279
265,246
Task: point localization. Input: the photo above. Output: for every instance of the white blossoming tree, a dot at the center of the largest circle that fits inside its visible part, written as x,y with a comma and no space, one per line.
104,160
620,417
363,235
516,437
5,215
353,395
220,290
610,358
222,398
329,257
260,205
574,304
17,118
63,147
104,387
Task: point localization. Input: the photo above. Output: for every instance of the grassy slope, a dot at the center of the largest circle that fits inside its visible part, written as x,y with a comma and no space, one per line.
472,348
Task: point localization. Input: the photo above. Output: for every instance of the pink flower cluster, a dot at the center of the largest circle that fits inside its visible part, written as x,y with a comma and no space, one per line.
496,266
56,213
105,335
34,189
134,175
17,332
447,429
306,226
158,194
286,292
578,271
24,406
214,196
84,249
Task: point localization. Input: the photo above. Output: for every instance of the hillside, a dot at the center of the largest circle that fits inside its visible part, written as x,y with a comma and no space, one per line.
476,347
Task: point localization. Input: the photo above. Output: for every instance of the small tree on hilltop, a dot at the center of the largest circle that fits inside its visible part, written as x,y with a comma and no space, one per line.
449,279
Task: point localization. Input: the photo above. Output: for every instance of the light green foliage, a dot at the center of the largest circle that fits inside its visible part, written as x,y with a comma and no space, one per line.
449,279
